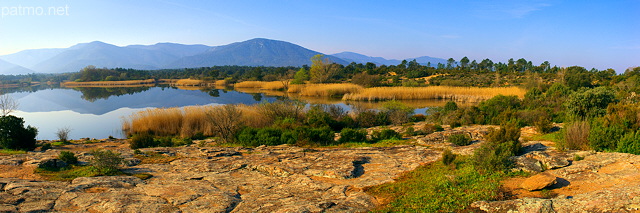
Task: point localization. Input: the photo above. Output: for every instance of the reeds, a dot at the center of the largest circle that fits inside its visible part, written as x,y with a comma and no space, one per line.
263,85
110,83
460,94
189,82
326,90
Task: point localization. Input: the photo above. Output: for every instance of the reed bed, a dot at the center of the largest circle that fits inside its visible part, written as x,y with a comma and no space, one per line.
460,94
186,121
189,82
109,83
326,90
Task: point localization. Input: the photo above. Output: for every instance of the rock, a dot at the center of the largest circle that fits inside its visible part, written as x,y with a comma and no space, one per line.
105,181
132,161
52,163
11,162
539,181
528,164
521,205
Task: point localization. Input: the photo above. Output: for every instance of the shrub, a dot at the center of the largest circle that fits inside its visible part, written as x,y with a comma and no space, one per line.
142,140
385,134
460,139
13,134
576,136
106,162
45,147
494,155
352,135
431,128
398,113
589,103
497,109
410,131
630,143
448,157
543,124
418,118
68,157
227,120
450,106
604,138
63,134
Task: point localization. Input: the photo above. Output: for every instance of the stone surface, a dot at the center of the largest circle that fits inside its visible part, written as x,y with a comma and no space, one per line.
214,179
602,182
539,181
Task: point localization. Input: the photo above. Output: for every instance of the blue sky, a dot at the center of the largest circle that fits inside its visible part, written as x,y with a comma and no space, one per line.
593,34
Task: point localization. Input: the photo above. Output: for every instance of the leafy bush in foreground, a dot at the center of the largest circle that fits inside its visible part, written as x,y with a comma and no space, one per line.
352,135
501,144
13,134
68,157
460,139
106,162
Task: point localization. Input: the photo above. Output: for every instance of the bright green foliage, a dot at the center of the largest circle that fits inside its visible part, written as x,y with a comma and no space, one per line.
13,134
397,112
301,76
460,139
589,103
142,141
272,136
500,109
438,188
630,143
352,135
576,77
68,157
450,106
604,138
106,162
501,144
385,134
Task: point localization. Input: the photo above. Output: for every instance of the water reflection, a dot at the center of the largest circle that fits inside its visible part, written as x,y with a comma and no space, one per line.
97,112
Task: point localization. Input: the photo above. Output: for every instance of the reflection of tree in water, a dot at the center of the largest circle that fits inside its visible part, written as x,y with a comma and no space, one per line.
257,96
28,89
94,93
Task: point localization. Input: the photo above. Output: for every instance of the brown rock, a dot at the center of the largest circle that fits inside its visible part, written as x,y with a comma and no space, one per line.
539,181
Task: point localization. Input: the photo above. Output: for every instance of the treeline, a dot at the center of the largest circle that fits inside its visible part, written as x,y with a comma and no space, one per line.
408,73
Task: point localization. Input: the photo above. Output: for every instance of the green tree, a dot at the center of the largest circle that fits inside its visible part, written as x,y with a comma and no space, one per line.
301,76
322,70
589,103
13,134
464,62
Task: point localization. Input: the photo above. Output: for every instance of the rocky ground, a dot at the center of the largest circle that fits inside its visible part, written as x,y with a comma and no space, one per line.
293,179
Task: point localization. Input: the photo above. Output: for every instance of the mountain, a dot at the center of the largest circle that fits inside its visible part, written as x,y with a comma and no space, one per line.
363,59
102,54
29,58
7,68
254,52
177,50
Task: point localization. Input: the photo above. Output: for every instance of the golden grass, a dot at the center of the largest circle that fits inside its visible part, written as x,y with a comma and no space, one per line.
221,83
185,122
264,85
326,90
461,94
189,82
110,83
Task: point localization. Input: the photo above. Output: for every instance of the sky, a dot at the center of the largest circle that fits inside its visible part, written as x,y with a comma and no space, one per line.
592,34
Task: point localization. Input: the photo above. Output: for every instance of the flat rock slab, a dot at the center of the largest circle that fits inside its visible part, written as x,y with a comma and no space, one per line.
539,181
214,179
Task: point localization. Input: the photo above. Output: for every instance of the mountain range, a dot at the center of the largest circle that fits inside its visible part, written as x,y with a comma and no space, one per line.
254,52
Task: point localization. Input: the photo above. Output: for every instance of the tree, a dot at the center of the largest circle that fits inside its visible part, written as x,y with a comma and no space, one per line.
226,120
322,70
63,134
7,105
464,62
13,134
450,63
301,76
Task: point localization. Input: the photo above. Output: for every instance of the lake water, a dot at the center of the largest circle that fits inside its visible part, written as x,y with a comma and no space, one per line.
97,112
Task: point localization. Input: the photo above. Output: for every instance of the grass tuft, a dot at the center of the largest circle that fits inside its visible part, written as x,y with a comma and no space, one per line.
461,94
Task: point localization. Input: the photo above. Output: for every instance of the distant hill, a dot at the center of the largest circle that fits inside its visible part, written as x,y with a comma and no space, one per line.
7,68
254,52
363,59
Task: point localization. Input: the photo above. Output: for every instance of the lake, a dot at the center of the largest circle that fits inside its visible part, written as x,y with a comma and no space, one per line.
97,112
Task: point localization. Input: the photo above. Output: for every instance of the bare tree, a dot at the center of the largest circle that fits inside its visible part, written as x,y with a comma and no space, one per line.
7,105
63,134
226,121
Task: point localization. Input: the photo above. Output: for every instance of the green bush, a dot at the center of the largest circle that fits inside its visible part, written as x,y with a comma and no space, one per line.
275,136
630,143
106,162
431,128
589,103
604,138
499,109
494,155
448,157
460,139
142,141
576,136
45,147
450,106
352,135
385,134
68,157
13,134
398,113
418,118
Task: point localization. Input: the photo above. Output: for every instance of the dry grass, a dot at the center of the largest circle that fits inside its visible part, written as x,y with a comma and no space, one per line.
221,83
461,94
325,90
185,122
263,85
189,82
110,83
